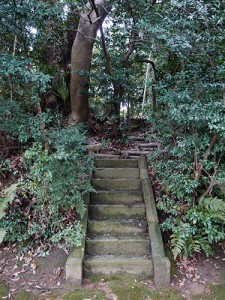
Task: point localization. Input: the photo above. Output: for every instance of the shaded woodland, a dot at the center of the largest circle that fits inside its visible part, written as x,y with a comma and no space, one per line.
75,70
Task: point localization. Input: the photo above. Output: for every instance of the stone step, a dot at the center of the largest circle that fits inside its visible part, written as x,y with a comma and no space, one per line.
106,156
116,267
132,156
116,211
117,227
116,163
114,246
116,173
148,145
147,149
137,138
116,197
134,153
116,184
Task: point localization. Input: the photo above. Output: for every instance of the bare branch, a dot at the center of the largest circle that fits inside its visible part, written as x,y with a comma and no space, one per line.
148,61
212,143
199,168
212,180
131,48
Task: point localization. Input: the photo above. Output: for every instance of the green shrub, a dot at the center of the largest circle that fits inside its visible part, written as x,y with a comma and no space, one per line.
196,228
190,123
49,200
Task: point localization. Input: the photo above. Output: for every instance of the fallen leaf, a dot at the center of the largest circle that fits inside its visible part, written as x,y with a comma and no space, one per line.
15,279
15,267
33,266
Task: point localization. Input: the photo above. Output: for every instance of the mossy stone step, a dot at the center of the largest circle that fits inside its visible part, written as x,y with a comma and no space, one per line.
116,267
138,246
116,163
116,197
116,173
137,138
117,227
117,184
116,211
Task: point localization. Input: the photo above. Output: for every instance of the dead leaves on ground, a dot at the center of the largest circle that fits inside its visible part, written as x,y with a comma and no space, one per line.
23,271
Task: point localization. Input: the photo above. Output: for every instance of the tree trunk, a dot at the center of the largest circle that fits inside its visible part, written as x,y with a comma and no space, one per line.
81,56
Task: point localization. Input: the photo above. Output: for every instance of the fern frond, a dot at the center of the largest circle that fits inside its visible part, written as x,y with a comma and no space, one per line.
82,127
205,246
6,197
177,244
214,205
193,246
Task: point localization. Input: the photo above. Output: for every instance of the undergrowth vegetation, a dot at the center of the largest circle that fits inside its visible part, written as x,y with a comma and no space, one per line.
43,161
52,175
190,126
49,197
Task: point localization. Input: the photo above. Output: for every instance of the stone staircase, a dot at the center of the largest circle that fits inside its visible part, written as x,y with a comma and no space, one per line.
117,240
140,146
116,229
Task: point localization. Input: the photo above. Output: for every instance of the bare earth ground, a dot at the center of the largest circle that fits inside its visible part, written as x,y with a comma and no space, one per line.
32,277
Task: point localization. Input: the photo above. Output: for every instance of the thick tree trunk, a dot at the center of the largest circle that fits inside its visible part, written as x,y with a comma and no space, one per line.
81,56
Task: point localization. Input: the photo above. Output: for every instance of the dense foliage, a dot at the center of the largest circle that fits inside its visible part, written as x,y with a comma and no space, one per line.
49,201
53,170
190,123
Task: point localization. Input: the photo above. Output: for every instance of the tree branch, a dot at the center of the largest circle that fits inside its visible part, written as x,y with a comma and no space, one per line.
200,167
212,181
86,37
131,48
148,61
108,64
212,143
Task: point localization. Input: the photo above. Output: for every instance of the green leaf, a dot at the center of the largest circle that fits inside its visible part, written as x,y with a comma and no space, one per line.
7,196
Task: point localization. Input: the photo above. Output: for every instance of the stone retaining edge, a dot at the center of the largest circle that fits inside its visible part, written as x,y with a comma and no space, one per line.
74,263
161,263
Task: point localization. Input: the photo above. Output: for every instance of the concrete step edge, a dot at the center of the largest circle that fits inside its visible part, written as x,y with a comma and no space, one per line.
116,211
115,163
115,259
116,184
117,267
116,173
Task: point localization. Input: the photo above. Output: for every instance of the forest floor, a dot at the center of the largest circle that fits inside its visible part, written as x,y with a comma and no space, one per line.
31,277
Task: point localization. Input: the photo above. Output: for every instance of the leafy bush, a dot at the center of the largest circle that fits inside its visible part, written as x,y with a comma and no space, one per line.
194,227
190,124
49,200
191,170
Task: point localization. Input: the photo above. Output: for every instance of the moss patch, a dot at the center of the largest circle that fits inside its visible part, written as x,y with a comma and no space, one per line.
133,291
82,294
218,293
24,295
173,267
4,289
